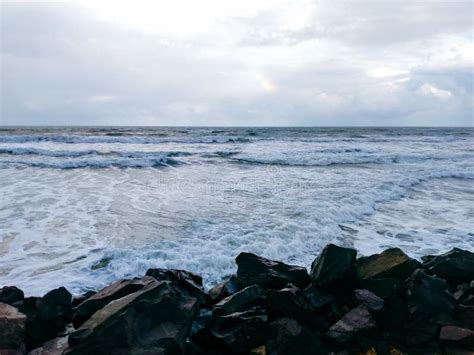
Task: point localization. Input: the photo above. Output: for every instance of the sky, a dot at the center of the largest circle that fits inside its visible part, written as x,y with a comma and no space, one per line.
237,63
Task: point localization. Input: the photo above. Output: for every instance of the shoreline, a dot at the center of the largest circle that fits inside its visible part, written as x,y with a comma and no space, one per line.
386,303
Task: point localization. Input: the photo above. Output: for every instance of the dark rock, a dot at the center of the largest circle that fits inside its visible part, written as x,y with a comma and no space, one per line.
59,296
11,295
418,331
334,268
47,316
460,336
54,346
155,320
267,273
189,282
384,287
12,329
428,296
355,323
115,291
290,337
319,299
465,315
288,302
241,331
240,301
395,313
224,289
76,301
455,266
391,263
369,299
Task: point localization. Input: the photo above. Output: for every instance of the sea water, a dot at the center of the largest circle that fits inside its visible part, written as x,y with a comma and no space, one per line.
82,207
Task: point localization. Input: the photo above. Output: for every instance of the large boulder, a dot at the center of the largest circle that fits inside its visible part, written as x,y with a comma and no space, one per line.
240,331
224,289
391,263
156,319
188,282
460,336
455,266
382,287
288,336
12,329
47,316
240,301
266,273
356,322
369,299
427,296
334,268
11,295
289,302
115,291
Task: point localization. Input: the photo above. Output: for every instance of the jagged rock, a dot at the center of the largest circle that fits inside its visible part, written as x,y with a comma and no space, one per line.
189,282
115,291
465,314
334,268
290,337
391,263
395,313
418,331
356,322
383,287
155,319
266,273
259,350
54,346
47,316
427,295
11,295
455,266
224,289
240,301
460,336
76,301
288,302
12,329
241,331
369,299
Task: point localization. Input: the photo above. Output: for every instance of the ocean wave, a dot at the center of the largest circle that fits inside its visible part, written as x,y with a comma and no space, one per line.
78,139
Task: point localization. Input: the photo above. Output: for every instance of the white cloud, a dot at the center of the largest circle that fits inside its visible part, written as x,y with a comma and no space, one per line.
432,90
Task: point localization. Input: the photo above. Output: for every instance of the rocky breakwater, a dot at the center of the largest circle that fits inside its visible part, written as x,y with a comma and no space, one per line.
386,303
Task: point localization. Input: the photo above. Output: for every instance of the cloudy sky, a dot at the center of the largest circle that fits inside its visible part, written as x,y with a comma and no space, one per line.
244,62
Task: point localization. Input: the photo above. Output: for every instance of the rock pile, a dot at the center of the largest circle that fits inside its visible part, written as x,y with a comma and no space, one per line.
386,303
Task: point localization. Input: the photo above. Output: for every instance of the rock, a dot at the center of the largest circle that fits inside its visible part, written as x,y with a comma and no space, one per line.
455,266
115,291
334,268
458,335
155,319
240,301
428,296
54,346
267,273
187,281
418,331
12,329
356,322
465,315
224,289
391,263
59,296
382,287
11,295
288,302
259,350
241,331
319,299
47,316
369,299
290,337
76,301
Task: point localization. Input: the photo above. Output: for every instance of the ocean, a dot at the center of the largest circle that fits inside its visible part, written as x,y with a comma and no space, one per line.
82,207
